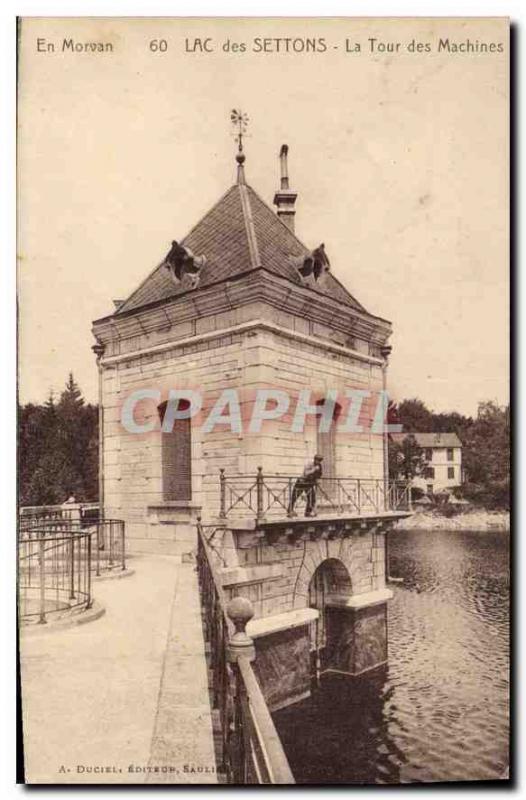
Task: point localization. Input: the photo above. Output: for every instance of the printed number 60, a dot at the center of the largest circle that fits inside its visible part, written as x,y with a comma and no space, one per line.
158,45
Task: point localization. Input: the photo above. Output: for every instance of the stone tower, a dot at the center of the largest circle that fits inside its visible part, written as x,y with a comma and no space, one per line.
239,304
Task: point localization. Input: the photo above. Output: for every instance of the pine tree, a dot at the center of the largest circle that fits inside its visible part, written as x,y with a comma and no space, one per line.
58,444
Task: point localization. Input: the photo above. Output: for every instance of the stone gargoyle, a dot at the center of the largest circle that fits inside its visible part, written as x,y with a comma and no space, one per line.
181,262
313,265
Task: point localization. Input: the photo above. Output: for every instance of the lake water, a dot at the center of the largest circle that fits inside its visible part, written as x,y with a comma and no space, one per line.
439,710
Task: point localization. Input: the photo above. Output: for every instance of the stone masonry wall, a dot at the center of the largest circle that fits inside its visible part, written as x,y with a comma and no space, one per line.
242,361
132,462
286,589
292,366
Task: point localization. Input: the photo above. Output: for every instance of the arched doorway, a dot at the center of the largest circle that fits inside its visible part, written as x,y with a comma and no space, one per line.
329,586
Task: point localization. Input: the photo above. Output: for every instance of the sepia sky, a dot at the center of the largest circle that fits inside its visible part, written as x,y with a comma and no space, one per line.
400,161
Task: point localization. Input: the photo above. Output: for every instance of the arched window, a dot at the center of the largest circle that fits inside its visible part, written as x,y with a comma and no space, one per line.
176,456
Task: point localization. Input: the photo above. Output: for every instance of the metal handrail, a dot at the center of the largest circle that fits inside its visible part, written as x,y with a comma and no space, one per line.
276,764
251,750
72,512
109,545
54,573
273,494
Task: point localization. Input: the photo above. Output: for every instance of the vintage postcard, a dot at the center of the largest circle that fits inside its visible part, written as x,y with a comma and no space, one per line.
263,462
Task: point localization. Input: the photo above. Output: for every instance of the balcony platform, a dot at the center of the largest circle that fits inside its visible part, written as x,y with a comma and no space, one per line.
350,520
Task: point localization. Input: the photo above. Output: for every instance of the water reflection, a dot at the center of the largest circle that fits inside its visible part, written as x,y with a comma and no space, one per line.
439,711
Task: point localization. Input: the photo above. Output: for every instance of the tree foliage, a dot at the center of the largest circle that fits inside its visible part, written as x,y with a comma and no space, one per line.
487,457
406,459
415,416
57,449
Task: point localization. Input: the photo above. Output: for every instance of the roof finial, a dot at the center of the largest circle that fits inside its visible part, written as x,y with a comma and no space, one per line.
239,121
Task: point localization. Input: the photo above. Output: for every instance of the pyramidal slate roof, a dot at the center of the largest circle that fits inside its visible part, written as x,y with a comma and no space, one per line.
240,233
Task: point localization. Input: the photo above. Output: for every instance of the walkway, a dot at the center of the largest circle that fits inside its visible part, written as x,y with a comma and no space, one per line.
114,699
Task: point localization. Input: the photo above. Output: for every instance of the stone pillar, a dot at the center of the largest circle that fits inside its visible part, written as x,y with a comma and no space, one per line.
357,634
171,528
283,656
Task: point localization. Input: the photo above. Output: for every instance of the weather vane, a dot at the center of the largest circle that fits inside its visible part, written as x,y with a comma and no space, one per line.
240,122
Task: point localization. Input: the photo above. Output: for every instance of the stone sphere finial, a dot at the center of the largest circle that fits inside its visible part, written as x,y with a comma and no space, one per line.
240,610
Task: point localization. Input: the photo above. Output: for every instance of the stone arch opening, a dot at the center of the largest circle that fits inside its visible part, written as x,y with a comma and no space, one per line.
330,586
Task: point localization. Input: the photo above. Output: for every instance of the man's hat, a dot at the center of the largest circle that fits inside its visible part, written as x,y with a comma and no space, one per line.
318,457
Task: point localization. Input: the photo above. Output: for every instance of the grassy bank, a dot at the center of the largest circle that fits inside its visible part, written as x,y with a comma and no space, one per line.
467,521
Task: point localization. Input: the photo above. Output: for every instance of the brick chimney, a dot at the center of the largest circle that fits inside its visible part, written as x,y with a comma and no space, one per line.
285,198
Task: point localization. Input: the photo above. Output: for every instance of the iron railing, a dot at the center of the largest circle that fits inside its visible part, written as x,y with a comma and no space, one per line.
50,524
72,512
54,574
108,550
271,495
34,515
109,544
250,748
90,511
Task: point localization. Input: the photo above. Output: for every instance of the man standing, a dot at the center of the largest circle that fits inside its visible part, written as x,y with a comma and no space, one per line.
307,485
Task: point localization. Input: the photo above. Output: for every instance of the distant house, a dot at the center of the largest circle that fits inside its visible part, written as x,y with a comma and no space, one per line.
443,456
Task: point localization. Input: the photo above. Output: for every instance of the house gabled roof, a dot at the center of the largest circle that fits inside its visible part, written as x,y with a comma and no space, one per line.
240,233
430,439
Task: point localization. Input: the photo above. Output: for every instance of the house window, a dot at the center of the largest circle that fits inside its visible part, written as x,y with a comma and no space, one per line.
451,472
176,457
429,454
430,472
450,454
